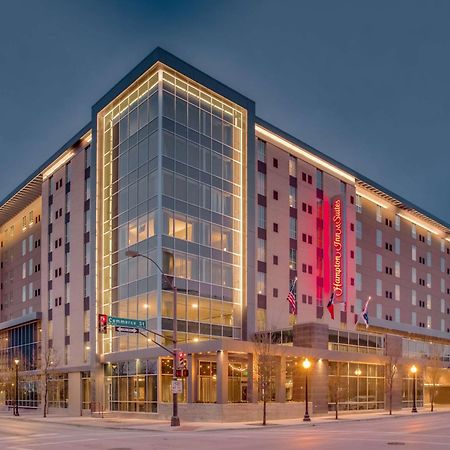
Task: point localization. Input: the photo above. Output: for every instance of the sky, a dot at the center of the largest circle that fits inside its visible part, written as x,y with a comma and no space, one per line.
366,82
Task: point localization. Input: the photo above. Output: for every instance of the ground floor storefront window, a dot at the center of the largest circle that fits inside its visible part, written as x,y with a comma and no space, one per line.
58,390
132,385
355,386
408,391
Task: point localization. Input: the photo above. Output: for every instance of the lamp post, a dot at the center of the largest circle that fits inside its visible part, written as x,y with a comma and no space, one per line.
306,366
175,420
16,403
414,372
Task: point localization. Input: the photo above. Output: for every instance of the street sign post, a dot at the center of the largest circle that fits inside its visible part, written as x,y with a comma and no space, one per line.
177,387
123,322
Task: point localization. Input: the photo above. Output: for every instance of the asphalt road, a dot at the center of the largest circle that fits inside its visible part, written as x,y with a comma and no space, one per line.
414,432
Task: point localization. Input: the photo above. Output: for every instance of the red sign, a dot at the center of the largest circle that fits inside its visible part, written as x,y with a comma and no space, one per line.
337,250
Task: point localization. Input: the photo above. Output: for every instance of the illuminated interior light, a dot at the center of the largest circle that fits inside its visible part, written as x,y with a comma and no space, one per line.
57,164
419,223
305,154
372,198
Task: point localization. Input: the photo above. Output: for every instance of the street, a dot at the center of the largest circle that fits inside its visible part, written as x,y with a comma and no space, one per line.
413,432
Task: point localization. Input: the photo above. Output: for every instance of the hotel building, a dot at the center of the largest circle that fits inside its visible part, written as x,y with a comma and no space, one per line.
178,167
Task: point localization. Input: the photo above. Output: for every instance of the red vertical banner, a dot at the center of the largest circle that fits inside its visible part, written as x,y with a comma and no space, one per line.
337,247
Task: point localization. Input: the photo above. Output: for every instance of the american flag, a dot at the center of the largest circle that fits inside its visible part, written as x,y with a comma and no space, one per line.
364,313
330,305
291,298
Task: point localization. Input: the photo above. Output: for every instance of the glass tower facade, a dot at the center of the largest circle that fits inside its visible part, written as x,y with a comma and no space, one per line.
171,158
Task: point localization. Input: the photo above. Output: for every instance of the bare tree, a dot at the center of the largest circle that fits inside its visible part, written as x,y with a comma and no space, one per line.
7,381
391,372
337,387
433,372
264,342
49,361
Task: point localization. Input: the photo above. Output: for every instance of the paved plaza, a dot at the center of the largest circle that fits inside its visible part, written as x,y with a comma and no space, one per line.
30,432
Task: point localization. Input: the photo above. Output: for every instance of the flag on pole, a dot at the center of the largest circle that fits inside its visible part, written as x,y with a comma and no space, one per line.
330,305
291,298
364,313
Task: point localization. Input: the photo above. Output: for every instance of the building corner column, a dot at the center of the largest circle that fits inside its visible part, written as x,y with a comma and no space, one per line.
222,377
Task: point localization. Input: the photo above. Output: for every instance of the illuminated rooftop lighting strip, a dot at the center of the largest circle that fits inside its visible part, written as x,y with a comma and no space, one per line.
419,223
305,154
371,198
57,164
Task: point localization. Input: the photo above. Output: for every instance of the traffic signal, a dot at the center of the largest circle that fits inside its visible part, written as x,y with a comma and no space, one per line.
102,323
182,363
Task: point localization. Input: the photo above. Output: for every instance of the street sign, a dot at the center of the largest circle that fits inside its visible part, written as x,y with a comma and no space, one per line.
123,322
177,387
127,329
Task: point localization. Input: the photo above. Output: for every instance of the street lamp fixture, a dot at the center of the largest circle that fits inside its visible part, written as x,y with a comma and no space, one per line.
414,372
306,365
175,420
358,372
16,403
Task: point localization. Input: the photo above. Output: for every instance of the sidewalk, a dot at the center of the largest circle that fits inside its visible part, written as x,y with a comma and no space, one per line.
144,424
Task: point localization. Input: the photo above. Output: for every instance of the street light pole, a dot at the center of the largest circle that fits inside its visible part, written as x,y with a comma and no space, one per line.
174,420
306,366
16,403
414,371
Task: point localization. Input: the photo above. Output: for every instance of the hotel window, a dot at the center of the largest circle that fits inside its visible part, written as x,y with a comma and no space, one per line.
442,265
379,238
379,213
261,150
442,286
397,246
358,281
292,166
413,297
442,245
358,229
442,306
379,288
24,247
397,315
429,259
292,227
30,267
379,311
261,183
397,222
261,250
428,301
413,230
428,238
30,291
319,179
413,318
24,223
358,204
397,269
428,321
24,270
379,263
292,196
414,253
397,292
358,256
429,280
292,259
414,275
442,325
261,283
262,217
30,243
24,293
